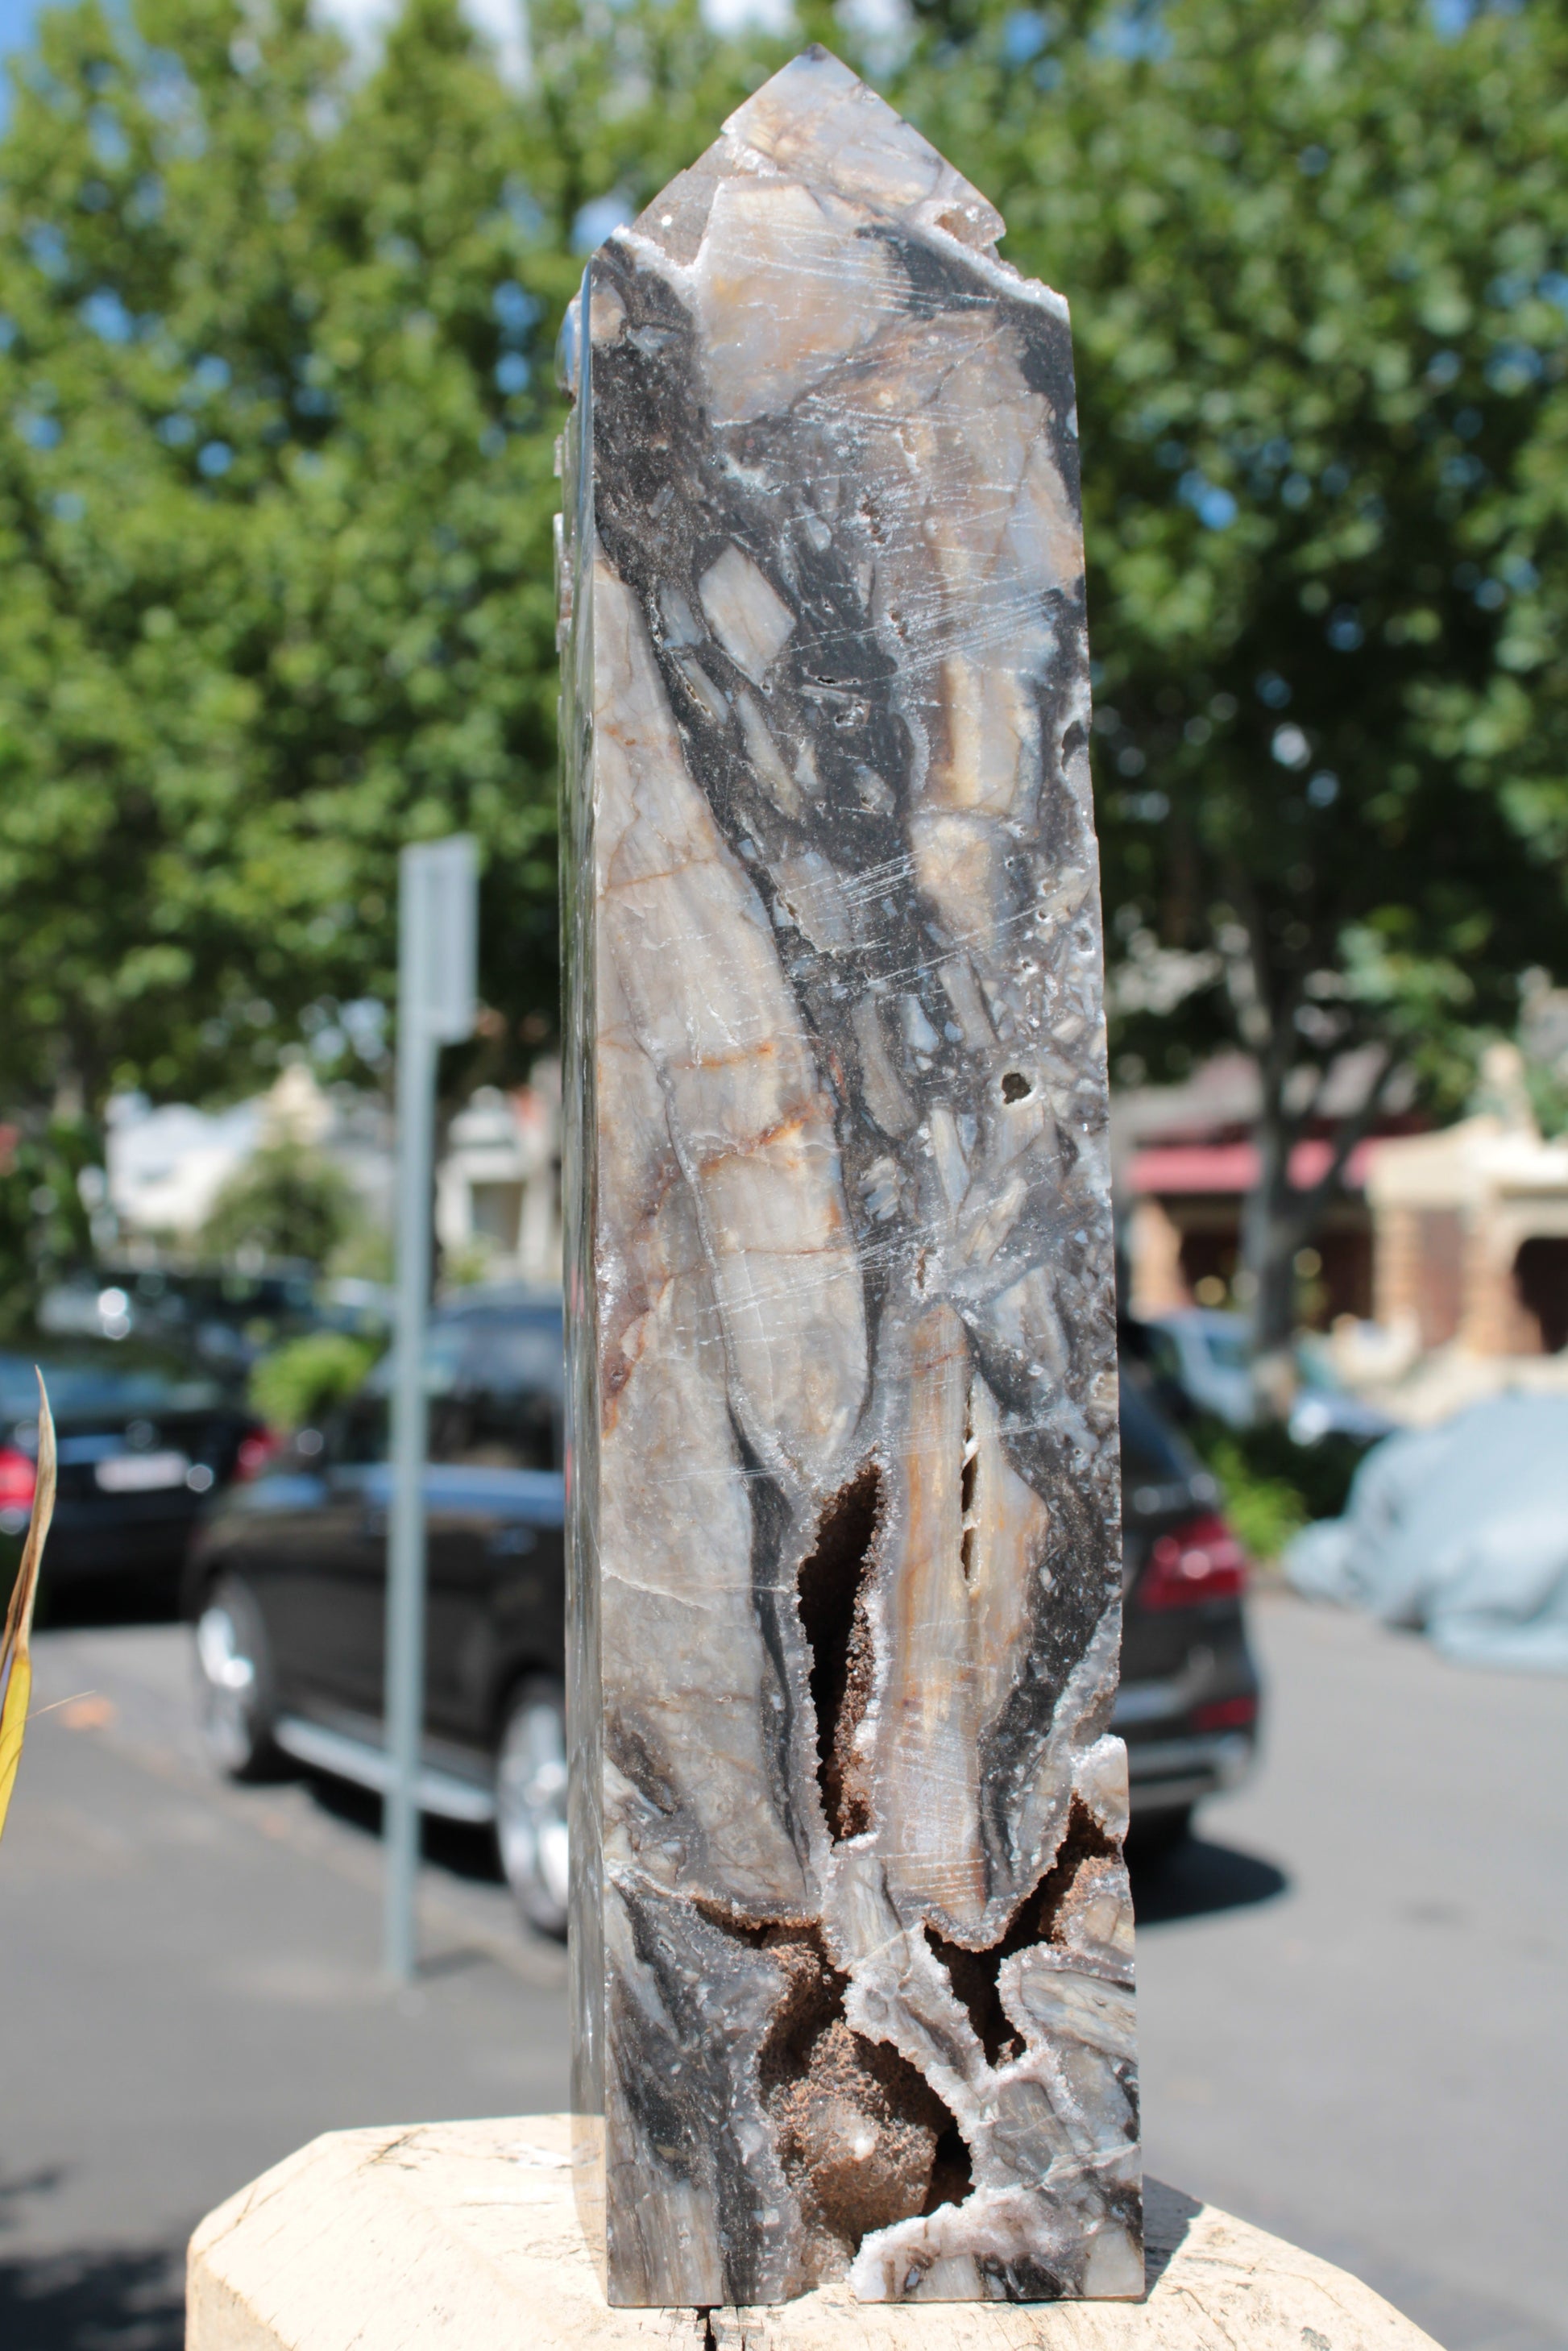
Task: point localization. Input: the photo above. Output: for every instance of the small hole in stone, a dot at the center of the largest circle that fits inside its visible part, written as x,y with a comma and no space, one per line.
1015,1087
959,225
974,1978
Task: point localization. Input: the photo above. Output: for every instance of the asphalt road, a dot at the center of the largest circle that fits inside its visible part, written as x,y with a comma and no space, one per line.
1373,2060
1352,1987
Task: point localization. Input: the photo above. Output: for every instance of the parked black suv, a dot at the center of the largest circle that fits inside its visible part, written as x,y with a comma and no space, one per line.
287,1587
145,1432
1187,1705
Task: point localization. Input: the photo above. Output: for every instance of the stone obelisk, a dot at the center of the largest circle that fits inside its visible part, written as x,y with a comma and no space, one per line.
852,1944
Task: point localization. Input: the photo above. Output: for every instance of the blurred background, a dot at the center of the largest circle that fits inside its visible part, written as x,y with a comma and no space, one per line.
279,292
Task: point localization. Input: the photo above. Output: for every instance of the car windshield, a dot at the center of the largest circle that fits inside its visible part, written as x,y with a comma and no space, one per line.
495,1378
511,1356
111,1377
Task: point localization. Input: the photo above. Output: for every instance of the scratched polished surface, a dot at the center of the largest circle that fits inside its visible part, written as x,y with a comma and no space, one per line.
853,1968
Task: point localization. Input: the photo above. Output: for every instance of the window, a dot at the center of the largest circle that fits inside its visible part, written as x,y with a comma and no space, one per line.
496,1212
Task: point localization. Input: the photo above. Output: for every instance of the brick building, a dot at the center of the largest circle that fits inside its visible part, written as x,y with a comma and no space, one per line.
1185,1161
1455,1236
1471,1227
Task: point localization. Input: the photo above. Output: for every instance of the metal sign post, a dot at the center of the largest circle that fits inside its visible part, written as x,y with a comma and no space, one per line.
437,955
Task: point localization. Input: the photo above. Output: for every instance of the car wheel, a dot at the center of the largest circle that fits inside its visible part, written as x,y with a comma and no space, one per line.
530,1802
234,1683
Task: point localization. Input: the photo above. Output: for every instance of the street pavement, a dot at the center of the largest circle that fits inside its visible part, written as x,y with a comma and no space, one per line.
1373,2060
189,1989
1351,1986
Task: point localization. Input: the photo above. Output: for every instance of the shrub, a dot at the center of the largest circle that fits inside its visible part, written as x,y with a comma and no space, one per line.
286,1201
306,1378
1272,1486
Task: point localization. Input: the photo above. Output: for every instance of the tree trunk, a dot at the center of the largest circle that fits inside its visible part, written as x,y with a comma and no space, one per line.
1278,1218
1271,1232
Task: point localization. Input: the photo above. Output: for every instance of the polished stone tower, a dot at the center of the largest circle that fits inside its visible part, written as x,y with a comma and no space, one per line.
851,1947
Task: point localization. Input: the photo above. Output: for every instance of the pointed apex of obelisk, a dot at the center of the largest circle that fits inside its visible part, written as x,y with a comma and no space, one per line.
818,125
782,240
817,121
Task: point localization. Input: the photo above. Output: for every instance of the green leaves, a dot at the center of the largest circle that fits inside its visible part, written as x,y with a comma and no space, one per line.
277,420
275,485
284,1201
1317,265
275,510
306,1378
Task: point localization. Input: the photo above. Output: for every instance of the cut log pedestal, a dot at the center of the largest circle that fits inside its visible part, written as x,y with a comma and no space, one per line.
464,2237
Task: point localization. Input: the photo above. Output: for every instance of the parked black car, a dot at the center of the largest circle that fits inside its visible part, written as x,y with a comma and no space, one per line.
1189,1701
285,1588
145,1435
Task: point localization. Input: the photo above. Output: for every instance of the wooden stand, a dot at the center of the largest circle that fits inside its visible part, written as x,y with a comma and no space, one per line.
463,2237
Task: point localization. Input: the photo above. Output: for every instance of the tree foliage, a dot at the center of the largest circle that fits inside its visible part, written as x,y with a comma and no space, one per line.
276,488
46,1228
284,1201
275,511
1318,260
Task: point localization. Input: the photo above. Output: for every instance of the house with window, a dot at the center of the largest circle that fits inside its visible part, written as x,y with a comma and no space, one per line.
1471,1227
498,1183
1453,1238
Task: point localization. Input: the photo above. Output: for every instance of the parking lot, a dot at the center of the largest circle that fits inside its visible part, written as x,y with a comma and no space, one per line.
1352,1987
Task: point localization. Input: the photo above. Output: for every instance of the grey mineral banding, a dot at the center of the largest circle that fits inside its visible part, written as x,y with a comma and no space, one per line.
851,1949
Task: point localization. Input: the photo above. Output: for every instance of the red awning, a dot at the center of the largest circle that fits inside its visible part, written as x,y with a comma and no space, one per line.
1231,1168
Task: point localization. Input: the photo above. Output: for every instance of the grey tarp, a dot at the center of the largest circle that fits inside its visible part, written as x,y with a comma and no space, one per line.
1461,1530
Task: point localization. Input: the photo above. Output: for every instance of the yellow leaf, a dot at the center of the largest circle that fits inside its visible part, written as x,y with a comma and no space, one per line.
16,1661
13,1723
